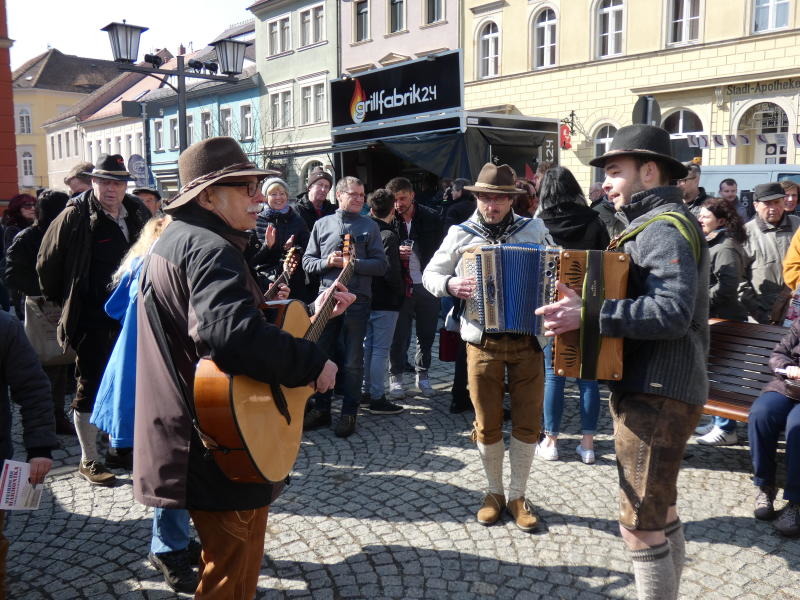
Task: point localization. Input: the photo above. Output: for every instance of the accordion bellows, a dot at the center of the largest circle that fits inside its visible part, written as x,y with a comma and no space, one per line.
513,280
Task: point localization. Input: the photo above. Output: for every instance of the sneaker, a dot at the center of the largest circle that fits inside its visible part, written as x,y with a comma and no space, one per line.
718,437
424,384
396,389
345,426
383,407
587,456
491,509
96,473
764,509
704,429
522,513
314,419
120,458
177,571
366,399
546,452
788,521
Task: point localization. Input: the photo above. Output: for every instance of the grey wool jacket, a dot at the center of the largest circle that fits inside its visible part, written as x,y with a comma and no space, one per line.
664,320
370,258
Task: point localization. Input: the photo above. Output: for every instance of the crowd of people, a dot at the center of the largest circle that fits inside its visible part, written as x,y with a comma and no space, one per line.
142,290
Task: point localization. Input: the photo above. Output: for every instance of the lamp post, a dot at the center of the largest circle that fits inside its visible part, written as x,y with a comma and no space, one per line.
125,48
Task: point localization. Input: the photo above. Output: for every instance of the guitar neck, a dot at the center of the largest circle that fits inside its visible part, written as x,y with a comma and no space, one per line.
270,294
324,314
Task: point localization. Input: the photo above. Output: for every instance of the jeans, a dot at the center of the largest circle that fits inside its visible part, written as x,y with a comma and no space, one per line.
770,414
170,530
554,399
380,330
423,308
347,330
726,425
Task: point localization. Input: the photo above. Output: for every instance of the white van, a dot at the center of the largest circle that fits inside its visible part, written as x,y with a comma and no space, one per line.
746,176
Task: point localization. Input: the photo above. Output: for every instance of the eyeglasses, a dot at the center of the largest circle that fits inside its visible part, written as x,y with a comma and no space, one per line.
29,205
252,186
494,198
685,179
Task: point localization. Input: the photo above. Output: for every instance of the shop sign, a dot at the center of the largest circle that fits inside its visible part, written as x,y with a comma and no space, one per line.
421,86
759,87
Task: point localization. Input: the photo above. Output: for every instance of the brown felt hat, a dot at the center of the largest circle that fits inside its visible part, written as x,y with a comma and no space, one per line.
495,180
208,161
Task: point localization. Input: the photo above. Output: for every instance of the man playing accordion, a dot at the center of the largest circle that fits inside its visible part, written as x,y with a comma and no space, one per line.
664,322
489,355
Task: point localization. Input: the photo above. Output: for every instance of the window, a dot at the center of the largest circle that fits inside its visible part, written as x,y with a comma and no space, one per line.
489,57
312,23
75,140
770,14
246,121
139,143
53,147
189,130
158,135
118,145
89,152
128,145
24,120
173,133
602,143
433,11
68,144
108,145
609,20
27,164
225,121
682,122
544,35
281,109
312,104
98,148
278,36
60,150
362,20
205,125
396,16
684,21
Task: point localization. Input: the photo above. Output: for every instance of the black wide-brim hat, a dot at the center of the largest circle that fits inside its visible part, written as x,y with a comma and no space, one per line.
110,166
646,142
208,161
764,192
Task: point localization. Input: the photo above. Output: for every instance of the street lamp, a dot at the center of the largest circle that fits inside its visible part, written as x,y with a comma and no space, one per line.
125,48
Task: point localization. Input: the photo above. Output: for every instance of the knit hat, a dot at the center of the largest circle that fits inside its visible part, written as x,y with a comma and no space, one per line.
316,174
270,181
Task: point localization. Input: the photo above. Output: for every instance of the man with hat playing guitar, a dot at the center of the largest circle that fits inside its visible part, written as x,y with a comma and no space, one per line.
664,322
490,354
197,298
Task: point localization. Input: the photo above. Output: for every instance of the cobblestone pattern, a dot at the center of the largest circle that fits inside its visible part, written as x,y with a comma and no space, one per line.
389,513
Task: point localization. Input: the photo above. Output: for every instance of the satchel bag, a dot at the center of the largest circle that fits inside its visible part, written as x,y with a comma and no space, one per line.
41,320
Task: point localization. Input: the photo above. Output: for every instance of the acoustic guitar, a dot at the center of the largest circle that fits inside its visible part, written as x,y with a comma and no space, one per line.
290,264
253,429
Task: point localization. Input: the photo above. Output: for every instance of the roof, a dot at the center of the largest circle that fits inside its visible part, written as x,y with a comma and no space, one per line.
54,70
238,30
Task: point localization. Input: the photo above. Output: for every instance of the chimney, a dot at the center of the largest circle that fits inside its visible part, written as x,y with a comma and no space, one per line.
181,49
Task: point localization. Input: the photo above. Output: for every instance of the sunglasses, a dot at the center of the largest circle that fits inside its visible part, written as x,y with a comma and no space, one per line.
252,186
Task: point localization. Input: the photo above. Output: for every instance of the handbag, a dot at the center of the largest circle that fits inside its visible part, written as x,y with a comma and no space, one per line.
41,321
448,345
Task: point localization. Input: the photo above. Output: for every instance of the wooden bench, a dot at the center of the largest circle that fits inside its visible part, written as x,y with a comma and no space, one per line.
738,366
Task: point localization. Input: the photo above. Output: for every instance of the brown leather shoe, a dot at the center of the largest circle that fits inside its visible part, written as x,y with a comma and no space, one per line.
493,505
522,513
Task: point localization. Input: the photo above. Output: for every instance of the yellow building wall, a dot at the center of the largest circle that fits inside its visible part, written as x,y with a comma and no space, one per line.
605,91
44,105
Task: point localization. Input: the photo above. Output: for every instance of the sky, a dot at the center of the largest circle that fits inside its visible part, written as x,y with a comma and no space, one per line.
74,27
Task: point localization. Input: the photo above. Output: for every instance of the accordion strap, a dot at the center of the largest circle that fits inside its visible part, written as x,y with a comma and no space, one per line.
592,297
483,232
680,221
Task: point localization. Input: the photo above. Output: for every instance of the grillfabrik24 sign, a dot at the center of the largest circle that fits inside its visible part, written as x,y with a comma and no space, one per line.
421,86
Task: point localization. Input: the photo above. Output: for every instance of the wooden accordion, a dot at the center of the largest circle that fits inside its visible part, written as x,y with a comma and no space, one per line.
513,280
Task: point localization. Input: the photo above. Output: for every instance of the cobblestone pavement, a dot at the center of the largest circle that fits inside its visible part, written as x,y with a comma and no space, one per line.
389,513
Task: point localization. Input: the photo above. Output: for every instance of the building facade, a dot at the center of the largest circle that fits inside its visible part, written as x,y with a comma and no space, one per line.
44,87
376,33
723,72
297,56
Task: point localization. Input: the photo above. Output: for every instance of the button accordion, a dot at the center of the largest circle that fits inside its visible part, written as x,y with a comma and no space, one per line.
513,280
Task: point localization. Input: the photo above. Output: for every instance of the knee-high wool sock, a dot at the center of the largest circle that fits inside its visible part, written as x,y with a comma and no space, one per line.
677,548
520,455
87,436
492,458
654,573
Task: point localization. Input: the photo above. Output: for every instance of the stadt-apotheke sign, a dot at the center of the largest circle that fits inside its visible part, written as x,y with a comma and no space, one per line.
426,85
